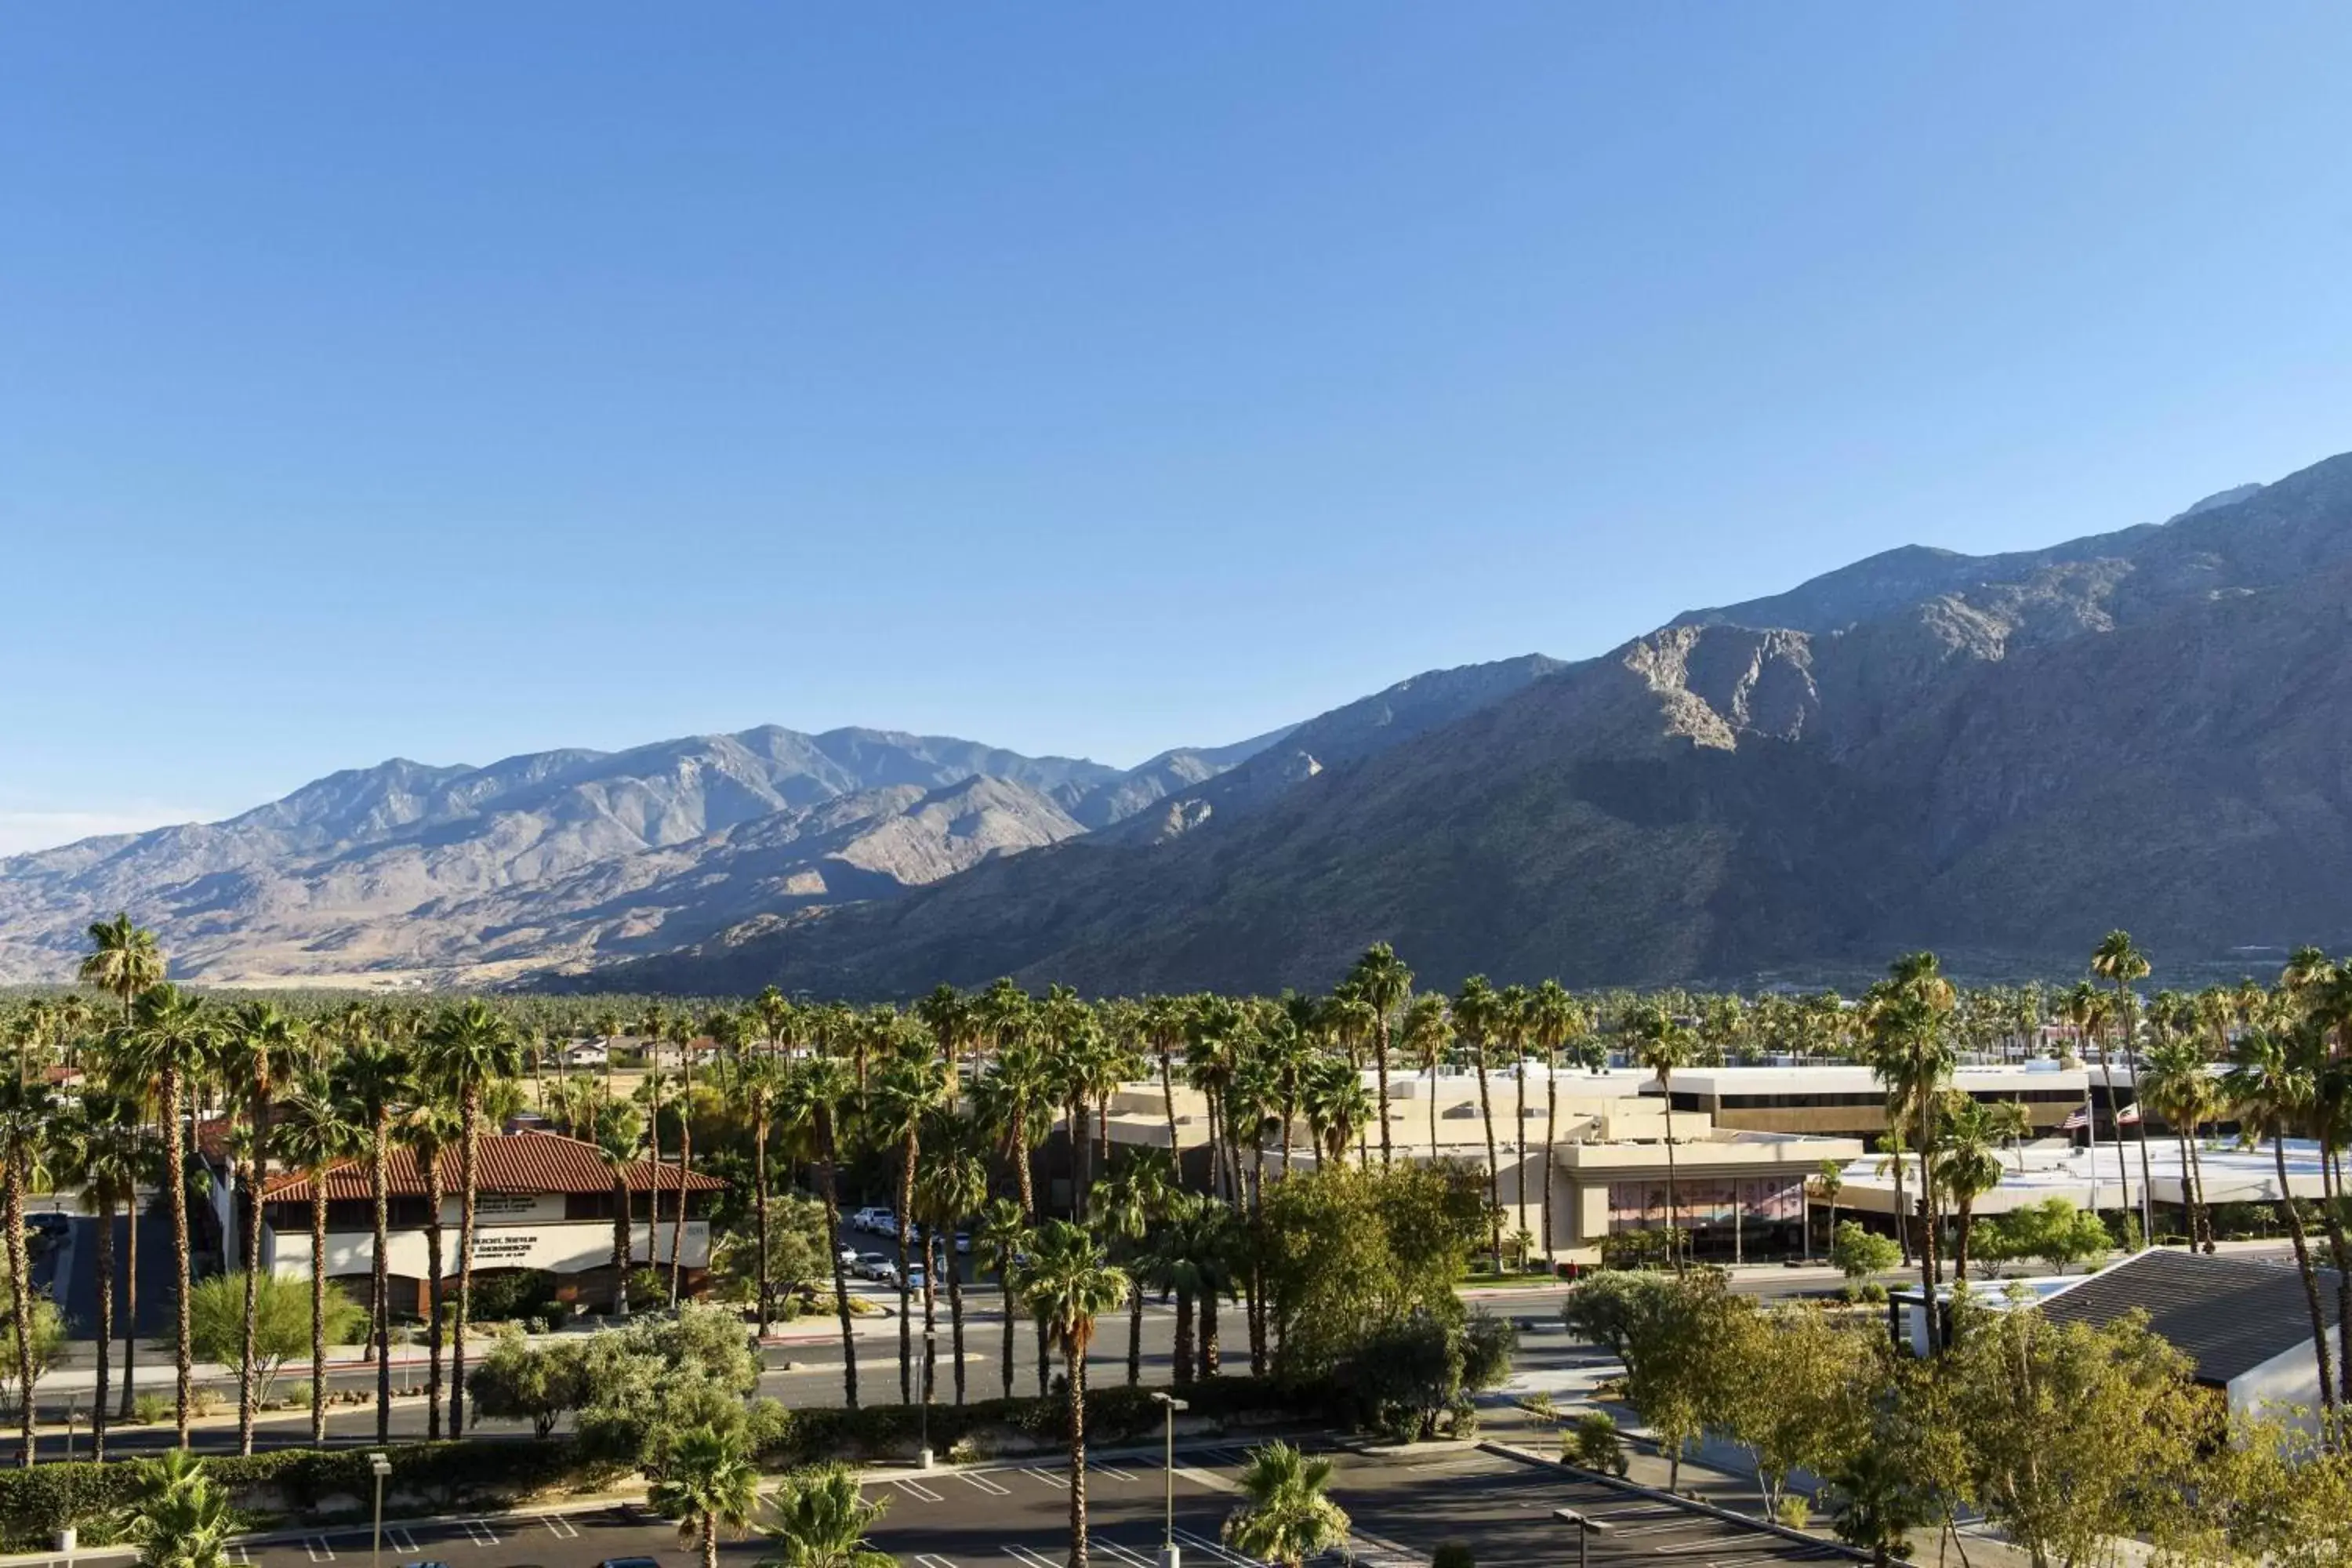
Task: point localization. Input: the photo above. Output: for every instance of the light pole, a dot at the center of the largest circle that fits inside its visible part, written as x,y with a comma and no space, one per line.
931,1341
1170,1555
1586,1527
380,1468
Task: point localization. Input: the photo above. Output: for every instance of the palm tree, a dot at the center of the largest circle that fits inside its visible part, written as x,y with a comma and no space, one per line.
25,1113
1553,1019
1380,978
1288,1517
1830,1181
1660,1044
708,1485
955,1186
814,1096
1003,1240
429,1129
1911,1053
2179,1087
1336,1102
468,1047
1163,1031
180,1517
1428,1031
262,1046
2117,960
617,1129
1126,1204
374,1081
758,1086
315,1135
721,1027
1965,1165
99,1150
2271,1084
1478,1016
1513,1024
123,960
822,1520
1068,1284
169,1041
906,1092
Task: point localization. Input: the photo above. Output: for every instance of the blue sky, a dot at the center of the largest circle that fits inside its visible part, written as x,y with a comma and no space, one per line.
453,381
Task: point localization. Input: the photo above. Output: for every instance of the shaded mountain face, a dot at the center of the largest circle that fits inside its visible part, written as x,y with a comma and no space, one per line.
2002,757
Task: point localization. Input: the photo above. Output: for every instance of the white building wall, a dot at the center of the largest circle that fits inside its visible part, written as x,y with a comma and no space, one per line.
2286,1388
562,1246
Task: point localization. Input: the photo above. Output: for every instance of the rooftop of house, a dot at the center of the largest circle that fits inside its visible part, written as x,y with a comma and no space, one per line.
2229,1315
524,1162
1847,1077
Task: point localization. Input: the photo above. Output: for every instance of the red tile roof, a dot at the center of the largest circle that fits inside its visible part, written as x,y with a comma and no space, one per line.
515,1162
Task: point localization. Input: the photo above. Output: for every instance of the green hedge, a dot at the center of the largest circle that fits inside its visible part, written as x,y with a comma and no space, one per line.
1115,1414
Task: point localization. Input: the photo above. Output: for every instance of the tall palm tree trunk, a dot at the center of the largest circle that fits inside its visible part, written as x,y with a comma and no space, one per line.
1519,1138
829,1188
1494,1168
1005,1370
433,1196
105,1322
760,1206
1209,1358
1022,1175
1168,1099
2293,1222
469,1128
1673,1191
176,1182
1135,1336
955,1316
248,1209
623,1227
380,1271
20,1292
907,1152
2115,1119
1184,1338
653,1149
1551,1135
318,1308
685,1165
129,1304
1074,1357
1380,1074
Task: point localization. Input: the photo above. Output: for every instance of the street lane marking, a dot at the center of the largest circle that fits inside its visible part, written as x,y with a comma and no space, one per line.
1048,1476
316,1545
560,1527
917,1489
971,1478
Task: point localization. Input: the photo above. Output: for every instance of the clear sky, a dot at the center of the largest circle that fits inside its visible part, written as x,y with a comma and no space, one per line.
457,380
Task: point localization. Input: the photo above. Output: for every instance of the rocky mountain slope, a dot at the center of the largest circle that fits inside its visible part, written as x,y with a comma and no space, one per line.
1998,756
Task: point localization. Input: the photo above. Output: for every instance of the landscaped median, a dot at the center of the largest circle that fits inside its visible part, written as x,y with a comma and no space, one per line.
335,1488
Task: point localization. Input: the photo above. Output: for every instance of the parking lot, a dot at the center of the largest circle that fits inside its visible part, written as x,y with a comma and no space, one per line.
1011,1513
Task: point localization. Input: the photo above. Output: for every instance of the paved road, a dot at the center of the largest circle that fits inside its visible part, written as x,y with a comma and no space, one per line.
1016,1516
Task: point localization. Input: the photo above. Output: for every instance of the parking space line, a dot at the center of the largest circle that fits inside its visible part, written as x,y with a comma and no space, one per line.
929,1562
561,1527
316,1545
1124,1553
401,1538
980,1482
1029,1558
917,1490
480,1530
1217,1550
1113,1472
1048,1476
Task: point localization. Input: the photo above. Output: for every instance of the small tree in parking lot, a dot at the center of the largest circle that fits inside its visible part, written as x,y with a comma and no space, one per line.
520,1382
1859,1253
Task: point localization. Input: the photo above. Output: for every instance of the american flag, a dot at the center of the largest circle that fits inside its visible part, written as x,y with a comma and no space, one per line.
2080,1119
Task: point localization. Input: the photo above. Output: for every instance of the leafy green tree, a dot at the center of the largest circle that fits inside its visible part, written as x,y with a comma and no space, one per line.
709,1485
281,1322
1858,1253
1593,1443
799,1250
2053,1231
1803,1394
1348,1250
649,1384
821,1521
1609,1308
1290,1516
519,1381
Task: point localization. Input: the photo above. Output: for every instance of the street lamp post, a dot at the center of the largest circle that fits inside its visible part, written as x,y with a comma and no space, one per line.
923,1459
1170,1555
1585,1526
380,1468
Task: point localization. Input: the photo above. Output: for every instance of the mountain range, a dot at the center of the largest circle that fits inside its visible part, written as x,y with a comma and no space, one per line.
1998,756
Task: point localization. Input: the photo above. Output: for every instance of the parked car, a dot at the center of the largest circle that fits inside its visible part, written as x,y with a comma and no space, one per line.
875,1221
849,1258
963,1242
877,1265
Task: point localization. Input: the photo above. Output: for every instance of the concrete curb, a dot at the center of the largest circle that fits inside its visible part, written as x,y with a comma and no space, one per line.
1729,1516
